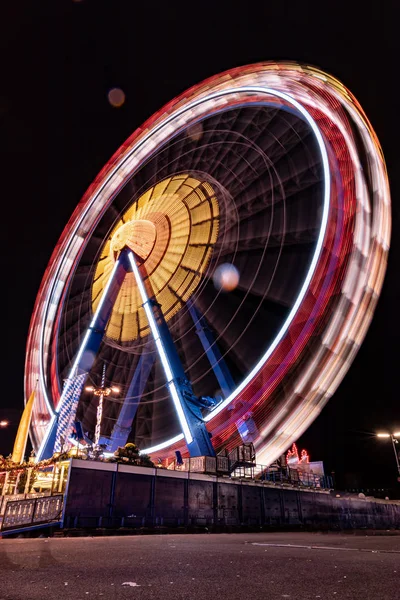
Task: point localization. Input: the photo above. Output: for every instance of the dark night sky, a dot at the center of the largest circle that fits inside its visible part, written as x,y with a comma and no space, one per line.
59,59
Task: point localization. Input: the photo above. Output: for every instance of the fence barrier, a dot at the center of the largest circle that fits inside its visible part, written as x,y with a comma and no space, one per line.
32,511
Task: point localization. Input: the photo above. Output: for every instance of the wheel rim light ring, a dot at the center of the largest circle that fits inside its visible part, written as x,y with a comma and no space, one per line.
92,198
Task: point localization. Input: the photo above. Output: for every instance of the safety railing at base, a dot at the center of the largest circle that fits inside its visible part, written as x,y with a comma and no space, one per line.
293,477
223,466
13,497
32,511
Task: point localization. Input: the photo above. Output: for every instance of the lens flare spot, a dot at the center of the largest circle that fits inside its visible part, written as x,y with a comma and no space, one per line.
226,277
116,97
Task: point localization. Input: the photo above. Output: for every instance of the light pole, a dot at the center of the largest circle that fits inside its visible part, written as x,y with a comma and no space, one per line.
100,392
394,438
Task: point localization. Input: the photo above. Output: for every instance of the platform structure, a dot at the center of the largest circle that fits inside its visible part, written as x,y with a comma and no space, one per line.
132,498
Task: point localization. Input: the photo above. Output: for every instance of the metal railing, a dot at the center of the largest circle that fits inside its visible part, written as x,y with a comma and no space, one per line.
32,511
222,466
12,498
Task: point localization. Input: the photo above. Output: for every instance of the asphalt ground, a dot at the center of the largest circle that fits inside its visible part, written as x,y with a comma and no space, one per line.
263,566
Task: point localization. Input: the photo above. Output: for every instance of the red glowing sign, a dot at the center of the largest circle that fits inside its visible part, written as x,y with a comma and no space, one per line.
293,457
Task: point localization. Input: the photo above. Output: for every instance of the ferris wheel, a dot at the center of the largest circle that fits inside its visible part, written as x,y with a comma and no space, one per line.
219,275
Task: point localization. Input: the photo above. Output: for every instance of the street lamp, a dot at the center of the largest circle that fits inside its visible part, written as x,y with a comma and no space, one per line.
394,438
4,424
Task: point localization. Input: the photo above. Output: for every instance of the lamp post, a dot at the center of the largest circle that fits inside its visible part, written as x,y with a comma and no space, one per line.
394,439
101,392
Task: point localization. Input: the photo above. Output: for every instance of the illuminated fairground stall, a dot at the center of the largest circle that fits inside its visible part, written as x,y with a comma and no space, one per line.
216,280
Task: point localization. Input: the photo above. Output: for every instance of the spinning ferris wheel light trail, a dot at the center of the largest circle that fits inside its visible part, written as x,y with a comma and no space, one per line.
271,171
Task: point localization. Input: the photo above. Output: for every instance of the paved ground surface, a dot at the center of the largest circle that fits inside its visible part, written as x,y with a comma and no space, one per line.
295,566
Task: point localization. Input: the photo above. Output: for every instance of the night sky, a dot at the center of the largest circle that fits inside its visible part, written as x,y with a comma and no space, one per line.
59,60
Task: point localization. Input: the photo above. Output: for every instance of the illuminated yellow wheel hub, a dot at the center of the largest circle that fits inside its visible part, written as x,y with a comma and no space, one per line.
172,227
139,236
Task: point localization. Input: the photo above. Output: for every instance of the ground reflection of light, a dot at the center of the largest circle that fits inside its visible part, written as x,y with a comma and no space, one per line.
116,97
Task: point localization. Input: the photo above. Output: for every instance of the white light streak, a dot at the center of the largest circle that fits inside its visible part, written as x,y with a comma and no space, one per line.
161,351
317,252
158,447
76,361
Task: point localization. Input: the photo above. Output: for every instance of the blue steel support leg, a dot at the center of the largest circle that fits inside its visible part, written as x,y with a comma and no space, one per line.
90,345
201,443
122,428
246,426
187,405
206,337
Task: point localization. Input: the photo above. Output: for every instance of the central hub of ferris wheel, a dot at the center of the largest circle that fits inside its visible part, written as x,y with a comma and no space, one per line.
139,236
172,228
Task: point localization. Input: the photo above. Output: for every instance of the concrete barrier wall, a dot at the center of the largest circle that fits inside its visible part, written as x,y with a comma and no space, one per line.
114,495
